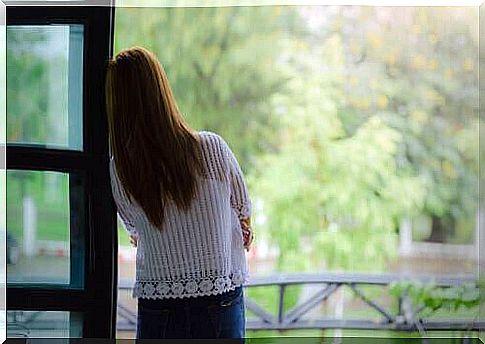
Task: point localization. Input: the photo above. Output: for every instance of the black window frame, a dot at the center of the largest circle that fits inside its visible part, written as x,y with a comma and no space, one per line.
96,300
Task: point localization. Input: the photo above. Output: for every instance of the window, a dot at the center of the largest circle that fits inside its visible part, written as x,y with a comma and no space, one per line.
43,209
345,120
61,224
44,76
39,324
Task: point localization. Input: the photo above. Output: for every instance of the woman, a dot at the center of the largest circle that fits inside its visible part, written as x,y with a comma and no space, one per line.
184,202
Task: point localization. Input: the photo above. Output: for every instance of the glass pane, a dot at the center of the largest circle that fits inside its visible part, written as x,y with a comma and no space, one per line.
127,306
44,85
40,324
356,127
39,219
353,126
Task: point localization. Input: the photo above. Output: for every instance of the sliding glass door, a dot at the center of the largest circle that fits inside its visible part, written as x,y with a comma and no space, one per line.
61,222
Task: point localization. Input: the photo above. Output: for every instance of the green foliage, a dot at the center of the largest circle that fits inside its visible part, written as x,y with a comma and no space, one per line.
425,87
434,298
343,193
221,69
37,86
51,198
26,105
358,153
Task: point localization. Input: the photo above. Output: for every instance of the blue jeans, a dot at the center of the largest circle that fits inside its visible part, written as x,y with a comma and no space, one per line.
217,316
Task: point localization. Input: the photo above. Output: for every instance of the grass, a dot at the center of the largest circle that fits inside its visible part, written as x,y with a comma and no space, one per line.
365,336
123,239
53,224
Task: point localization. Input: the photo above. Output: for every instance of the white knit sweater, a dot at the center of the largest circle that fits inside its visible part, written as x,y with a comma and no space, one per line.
199,251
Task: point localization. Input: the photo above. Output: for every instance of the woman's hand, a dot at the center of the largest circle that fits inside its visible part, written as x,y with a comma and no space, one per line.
247,231
134,240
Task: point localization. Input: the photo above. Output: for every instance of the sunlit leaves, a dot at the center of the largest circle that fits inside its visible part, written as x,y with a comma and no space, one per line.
375,41
382,101
468,64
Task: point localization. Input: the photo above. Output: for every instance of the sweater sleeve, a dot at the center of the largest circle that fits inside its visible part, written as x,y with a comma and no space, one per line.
125,211
240,200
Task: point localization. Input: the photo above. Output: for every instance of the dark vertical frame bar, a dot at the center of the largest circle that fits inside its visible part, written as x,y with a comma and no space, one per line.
77,210
96,302
101,272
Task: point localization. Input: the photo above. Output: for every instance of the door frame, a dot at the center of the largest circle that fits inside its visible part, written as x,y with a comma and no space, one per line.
97,298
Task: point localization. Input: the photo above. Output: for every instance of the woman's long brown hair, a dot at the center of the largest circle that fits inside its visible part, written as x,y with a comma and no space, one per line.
156,154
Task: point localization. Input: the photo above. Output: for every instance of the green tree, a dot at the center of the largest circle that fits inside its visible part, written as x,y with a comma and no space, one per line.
333,196
220,61
426,87
27,88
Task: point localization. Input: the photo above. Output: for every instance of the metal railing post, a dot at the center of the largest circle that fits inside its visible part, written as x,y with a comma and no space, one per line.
281,303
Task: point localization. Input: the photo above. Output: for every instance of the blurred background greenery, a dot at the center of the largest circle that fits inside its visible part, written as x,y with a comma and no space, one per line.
344,119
